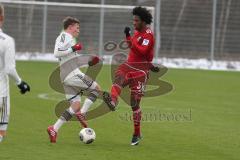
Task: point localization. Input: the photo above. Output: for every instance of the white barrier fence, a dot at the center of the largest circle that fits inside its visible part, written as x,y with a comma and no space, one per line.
168,62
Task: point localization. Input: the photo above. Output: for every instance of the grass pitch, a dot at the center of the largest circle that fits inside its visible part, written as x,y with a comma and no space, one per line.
198,120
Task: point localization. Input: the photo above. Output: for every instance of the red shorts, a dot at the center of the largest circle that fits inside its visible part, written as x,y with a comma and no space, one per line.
135,78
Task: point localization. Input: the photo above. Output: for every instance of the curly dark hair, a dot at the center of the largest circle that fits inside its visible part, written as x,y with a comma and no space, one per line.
143,13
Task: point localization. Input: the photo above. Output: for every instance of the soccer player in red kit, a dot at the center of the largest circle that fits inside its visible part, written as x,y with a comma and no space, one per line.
135,71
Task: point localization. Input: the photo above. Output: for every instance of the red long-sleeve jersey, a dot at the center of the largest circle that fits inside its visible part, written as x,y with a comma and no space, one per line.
141,47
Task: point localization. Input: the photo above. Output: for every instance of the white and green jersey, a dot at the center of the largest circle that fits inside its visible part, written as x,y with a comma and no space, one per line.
7,63
63,47
63,51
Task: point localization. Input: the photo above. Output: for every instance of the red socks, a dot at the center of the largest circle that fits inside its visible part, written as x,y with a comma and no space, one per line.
137,116
137,113
115,92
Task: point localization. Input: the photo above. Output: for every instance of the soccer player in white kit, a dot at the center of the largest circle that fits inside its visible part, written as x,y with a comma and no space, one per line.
66,49
7,69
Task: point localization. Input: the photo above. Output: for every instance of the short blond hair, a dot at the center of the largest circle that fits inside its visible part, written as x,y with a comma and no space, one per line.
1,10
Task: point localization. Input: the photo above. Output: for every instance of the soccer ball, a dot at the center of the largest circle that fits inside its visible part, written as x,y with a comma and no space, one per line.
87,135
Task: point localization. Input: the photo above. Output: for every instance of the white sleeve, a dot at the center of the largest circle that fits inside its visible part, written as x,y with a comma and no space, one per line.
10,64
62,46
61,52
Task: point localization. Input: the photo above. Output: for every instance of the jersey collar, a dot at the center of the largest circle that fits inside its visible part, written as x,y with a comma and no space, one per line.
68,34
143,31
0,29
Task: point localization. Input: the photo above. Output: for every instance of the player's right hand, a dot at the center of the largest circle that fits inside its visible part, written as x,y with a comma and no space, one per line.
93,60
127,31
155,69
77,47
24,87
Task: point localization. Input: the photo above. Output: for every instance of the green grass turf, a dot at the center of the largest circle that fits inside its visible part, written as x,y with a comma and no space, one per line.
211,133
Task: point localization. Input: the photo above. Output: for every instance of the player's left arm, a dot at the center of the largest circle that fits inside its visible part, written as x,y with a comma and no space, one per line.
10,67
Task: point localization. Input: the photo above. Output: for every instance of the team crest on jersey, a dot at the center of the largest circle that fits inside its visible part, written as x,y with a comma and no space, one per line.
145,42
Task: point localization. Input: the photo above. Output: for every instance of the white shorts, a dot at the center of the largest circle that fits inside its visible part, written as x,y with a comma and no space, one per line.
75,84
4,112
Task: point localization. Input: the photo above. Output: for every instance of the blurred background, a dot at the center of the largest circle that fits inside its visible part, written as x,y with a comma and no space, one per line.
192,29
